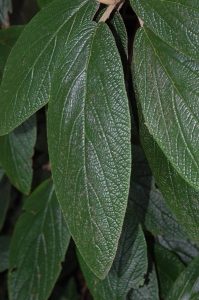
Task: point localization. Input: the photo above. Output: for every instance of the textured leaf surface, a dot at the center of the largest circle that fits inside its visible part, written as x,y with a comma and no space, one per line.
38,246
176,22
129,265
5,7
148,202
181,198
168,267
4,246
16,152
32,61
167,88
185,249
149,291
5,187
187,284
89,143
8,38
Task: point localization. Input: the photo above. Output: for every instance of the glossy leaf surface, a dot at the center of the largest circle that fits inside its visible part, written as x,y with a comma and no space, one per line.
16,152
148,202
89,143
168,267
181,198
187,284
167,89
149,291
31,64
4,246
129,265
5,188
38,246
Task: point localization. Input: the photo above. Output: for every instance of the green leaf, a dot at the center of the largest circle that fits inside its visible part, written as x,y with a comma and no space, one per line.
185,249
148,202
89,143
167,89
16,152
149,291
38,246
43,3
1,172
176,22
5,7
5,188
129,265
71,291
168,266
8,38
32,61
187,284
4,246
181,198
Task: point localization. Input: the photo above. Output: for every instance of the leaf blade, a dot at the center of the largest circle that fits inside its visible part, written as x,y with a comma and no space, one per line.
96,122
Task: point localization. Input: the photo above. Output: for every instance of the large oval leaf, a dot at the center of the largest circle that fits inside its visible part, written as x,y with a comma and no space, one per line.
167,89
38,246
89,143
32,61
128,268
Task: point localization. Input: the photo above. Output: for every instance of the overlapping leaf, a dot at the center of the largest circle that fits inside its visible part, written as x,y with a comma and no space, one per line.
166,63
129,266
187,284
38,246
168,267
89,143
181,198
31,64
4,246
148,202
16,152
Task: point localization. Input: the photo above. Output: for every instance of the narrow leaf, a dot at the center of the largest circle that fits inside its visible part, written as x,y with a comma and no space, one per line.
181,198
187,284
167,89
89,143
129,265
32,61
168,267
16,152
38,246
8,38
4,246
149,291
5,188
148,202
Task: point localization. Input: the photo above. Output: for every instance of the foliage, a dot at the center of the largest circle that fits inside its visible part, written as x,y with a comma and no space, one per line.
99,146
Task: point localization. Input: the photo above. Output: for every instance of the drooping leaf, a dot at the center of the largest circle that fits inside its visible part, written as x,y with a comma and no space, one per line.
166,81
176,22
89,143
187,284
148,202
168,267
185,249
149,291
8,38
129,265
181,198
38,246
4,246
5,187
5,7
16,152
32,61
